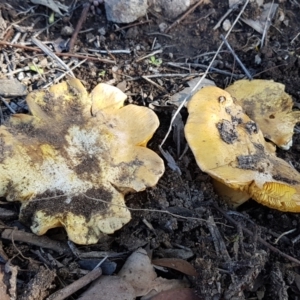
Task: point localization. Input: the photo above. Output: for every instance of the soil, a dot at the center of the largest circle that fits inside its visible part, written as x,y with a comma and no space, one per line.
231,263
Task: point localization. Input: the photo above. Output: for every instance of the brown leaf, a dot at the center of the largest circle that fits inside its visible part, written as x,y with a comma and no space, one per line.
176,264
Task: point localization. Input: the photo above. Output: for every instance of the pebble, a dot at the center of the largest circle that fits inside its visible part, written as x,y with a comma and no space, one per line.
67,31
226,25
21,76
162,27
171,8
102,31
125,11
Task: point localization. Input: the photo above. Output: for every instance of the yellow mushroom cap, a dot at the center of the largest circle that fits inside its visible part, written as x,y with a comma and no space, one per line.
229,146
72,161
266,102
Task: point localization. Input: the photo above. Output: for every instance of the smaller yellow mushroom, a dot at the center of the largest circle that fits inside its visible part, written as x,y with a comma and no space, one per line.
229,146
266,103
73,160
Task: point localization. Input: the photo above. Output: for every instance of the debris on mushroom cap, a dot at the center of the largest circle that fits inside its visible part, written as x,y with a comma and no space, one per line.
266,102
229,146
72,161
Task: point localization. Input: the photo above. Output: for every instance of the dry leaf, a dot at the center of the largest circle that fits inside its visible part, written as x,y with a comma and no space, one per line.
177,264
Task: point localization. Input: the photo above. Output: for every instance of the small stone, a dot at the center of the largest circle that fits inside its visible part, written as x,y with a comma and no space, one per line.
67,31
43,62
90,37
102,31
226,25
171,8
21,76
257,59
125,11
162,27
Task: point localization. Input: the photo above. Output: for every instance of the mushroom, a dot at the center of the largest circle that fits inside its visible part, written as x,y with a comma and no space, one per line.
230,147
266,103
72,161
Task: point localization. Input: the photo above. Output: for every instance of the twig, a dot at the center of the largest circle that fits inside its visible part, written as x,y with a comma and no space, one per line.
63,75
125,51
166,75
267,25
272,68
81,20
283,234
8,63
160,33
211,69
1,119
148,55
79,56
49,52
293,40
159,211
155,84
41,241
236,57
199,19
109,53
296,239
207,53
184,15
132,25
259,239
77,285
7,105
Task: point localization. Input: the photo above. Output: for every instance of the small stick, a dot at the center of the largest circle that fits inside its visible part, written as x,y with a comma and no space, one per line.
40,241
148,55
125,51
49,52
132,25
79,25
155,84
267,25
166,75
211,69
1,122
160,33
184,15
7,105
80,56
109,53
204,17
78,284
63,75
293,40
236,57
283,234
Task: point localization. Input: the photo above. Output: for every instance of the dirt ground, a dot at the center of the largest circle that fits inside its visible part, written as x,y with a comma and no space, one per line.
231,263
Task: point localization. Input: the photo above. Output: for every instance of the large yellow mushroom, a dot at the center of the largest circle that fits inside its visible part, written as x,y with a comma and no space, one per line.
229,146
266,102
72,161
